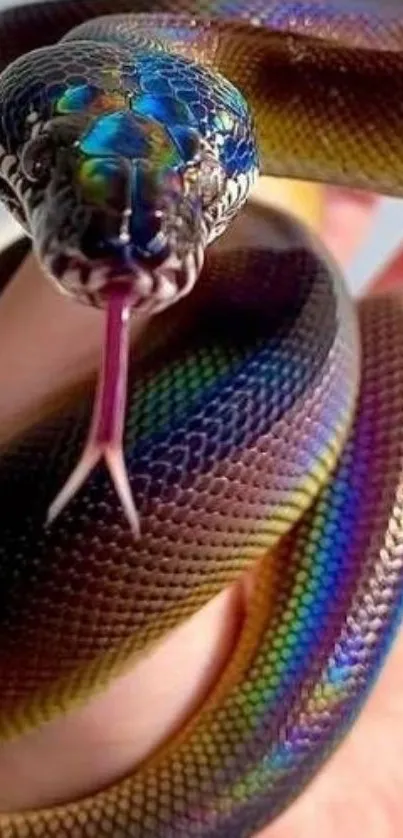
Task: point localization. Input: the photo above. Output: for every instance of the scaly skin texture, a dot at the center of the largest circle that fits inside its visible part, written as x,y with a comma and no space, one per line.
277,436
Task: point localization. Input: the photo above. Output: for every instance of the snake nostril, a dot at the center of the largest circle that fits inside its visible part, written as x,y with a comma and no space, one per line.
101,237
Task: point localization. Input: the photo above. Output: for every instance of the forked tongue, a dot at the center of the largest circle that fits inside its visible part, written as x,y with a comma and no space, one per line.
105,438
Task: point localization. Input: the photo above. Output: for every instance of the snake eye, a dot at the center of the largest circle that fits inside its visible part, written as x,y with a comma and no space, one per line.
209,179
37,159
212,180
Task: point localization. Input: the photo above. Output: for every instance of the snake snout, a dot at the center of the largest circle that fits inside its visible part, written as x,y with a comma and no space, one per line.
109,220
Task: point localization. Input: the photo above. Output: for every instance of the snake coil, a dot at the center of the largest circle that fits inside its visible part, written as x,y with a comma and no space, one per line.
271,439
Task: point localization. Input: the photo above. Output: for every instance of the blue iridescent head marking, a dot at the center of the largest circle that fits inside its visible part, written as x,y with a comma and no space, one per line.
122,200
128,171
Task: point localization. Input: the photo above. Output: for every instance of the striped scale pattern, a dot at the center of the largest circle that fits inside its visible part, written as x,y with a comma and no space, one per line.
276,437
204,409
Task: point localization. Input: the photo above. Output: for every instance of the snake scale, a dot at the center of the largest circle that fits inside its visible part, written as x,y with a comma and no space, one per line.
264,411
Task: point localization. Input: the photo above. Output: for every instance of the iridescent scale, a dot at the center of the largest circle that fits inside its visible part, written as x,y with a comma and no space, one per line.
264,428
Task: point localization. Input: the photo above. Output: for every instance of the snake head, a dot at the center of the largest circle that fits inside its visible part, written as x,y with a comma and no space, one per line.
112,183
109,200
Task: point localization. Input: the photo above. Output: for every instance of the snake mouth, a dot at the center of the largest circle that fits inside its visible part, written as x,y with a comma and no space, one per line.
153,287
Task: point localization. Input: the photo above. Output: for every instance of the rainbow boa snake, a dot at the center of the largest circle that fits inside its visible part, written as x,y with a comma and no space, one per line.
266,425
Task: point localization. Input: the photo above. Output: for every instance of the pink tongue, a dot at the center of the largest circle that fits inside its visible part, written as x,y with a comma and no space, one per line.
105,436
110,402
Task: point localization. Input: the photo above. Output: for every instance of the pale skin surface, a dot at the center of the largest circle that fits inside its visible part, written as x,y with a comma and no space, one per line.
359,791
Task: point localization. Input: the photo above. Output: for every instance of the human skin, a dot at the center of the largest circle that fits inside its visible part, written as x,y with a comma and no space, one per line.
359,791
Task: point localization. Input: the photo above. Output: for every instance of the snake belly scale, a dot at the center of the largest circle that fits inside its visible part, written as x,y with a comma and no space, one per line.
264,410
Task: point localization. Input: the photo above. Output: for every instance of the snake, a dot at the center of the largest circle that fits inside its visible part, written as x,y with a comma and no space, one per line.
256,427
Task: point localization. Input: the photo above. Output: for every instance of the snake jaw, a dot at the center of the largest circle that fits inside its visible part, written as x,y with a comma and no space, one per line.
105,438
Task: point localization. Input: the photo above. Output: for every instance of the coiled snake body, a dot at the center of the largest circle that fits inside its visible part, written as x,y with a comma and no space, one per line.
264,419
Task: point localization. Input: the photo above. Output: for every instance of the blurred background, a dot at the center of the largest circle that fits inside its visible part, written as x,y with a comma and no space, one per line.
385,237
